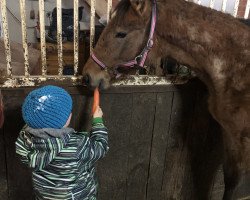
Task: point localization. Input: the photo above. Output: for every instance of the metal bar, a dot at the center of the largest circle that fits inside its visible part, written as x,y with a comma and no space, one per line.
109,7
42,36
211,5
6,37
224,6
59,37
24,37
247,9
92,25
236,6
76,34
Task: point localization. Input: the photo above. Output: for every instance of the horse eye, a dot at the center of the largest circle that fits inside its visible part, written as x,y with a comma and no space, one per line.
120,35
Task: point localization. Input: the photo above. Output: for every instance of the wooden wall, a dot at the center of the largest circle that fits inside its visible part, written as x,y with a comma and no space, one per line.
163,144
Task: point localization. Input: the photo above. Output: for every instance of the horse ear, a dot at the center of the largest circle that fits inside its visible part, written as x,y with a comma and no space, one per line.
140,6
113,14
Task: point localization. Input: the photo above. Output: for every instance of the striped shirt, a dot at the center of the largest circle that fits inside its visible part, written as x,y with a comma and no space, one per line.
63,167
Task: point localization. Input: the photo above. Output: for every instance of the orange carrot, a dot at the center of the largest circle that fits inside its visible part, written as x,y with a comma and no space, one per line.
96,100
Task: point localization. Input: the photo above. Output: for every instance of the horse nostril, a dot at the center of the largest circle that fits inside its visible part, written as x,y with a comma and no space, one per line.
86,79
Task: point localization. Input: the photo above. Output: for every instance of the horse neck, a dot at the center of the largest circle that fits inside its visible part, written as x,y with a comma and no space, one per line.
193,36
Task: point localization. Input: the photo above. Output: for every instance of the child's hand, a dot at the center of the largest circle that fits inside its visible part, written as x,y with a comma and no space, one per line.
98,112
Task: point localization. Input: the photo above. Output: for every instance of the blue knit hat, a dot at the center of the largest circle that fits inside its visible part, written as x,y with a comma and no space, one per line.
47,107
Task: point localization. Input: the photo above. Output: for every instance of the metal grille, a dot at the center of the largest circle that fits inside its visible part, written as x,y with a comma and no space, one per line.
29,80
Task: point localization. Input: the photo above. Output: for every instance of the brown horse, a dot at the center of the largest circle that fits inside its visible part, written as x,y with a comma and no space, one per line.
215,45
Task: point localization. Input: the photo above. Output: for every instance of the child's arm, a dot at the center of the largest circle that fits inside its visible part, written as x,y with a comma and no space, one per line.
99,135
96,144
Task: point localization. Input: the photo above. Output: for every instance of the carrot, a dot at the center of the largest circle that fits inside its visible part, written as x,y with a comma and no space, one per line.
96,100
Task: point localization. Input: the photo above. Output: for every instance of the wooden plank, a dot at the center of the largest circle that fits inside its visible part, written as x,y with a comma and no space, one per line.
81,118
133,89
19,176
140,145
112,170
141,89
177,165
3,171
159,144
154,153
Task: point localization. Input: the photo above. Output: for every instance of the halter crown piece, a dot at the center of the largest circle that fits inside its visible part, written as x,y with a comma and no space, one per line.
140,59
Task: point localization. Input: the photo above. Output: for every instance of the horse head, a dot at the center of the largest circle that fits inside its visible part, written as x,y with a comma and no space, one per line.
124,37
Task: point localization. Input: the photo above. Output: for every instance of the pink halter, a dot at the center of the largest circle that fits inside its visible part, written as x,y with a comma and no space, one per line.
141,58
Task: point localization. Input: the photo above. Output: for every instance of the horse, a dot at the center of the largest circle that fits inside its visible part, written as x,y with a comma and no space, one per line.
215,45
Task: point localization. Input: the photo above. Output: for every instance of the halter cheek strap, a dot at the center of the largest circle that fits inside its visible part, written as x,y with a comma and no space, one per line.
141,58
97,61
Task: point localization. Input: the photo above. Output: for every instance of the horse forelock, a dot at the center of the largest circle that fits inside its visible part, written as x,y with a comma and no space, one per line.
120,11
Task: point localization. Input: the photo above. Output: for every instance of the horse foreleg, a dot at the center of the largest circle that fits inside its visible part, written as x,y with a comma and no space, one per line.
237,166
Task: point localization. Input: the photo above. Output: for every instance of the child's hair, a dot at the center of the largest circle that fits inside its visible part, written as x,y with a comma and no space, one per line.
47,107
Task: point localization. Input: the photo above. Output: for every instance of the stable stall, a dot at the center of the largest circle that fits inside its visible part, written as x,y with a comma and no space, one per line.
163,142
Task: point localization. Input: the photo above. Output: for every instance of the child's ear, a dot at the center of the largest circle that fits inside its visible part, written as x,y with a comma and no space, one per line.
68,121
141,7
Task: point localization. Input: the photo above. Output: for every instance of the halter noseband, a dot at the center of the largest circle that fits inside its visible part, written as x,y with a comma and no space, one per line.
141,58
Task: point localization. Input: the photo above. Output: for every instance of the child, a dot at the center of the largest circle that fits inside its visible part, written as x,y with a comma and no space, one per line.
62,160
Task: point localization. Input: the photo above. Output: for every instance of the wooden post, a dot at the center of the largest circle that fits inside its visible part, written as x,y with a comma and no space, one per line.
6,37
